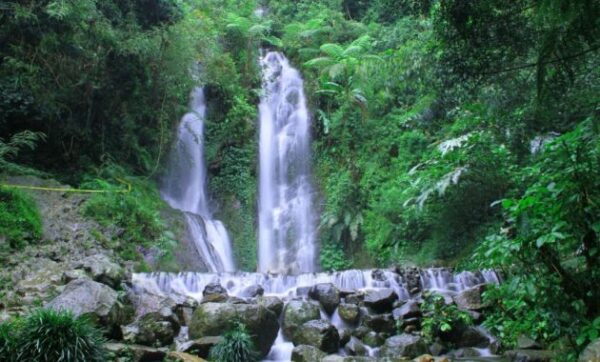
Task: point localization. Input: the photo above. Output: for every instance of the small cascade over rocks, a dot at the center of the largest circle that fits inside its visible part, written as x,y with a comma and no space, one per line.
286,214
184,189
367,307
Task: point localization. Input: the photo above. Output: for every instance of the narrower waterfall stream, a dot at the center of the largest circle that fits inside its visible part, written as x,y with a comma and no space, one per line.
286,214
185,189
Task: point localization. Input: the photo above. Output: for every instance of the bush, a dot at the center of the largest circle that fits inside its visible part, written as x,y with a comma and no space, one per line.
440,318
137,213
8,341
51,336
19,218
237,346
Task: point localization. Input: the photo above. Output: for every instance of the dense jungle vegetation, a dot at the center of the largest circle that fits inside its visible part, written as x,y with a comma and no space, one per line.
446,132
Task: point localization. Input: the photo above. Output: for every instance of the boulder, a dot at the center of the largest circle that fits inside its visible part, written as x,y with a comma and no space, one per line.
214,293
473,337
40,284
103,270
470,299
98,302
213,288
153,329
338,358
273,304
373,339
201,346
530,355
355,347
354,298
296,313
524,342
327,294
183,357
134,353
380,322
349,313
410,309
591,353
404,345
381,300
253,291
378,275
412,278
214,319
304,353
318,333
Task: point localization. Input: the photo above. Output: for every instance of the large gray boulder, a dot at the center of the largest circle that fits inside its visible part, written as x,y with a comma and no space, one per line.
473,337
296,313
380,322
273,304
253,291
381,300
355,347
214,292
318,333
327,294
153,329
305,353
214,319
102,269
408,310
591,353
530,355
98,302
470,299
134,353
200,347
404,345
349,313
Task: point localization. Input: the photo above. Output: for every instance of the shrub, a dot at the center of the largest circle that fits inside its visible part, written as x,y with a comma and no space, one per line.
440,318
19,218
237,346
51,336
137,213
8,341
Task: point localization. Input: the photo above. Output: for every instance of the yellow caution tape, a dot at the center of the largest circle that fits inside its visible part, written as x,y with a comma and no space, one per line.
58,189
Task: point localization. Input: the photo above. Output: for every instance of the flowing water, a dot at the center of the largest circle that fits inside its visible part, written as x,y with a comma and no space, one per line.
180,286
185,189
286,213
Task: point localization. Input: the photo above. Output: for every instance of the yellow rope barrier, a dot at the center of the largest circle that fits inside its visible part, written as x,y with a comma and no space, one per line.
58,189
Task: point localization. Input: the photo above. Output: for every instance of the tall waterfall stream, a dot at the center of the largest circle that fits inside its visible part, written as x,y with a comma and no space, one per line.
185,189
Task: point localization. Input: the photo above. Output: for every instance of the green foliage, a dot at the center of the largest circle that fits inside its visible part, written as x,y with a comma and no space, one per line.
549,247
333,258
236,346
136,214
101,79
20,220
48,336
8,341
440,318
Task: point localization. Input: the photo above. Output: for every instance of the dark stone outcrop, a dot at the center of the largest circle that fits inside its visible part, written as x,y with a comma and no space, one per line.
381,300
214,319
318,333
296,313
404,345
327,294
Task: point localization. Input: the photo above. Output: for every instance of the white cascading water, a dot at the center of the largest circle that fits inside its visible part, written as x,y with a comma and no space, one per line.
286,215
185,189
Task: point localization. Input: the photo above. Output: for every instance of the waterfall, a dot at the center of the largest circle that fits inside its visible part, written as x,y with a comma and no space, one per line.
185,189
286,220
